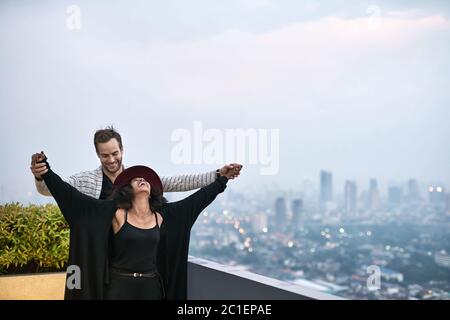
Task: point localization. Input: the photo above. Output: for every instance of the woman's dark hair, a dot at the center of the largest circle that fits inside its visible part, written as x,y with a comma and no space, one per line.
124,196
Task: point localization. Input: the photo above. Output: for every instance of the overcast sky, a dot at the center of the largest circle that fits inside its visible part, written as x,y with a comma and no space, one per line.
359,88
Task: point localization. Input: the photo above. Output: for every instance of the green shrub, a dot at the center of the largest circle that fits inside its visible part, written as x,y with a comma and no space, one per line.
32,239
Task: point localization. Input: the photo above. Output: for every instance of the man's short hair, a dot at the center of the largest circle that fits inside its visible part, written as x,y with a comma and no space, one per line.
104,135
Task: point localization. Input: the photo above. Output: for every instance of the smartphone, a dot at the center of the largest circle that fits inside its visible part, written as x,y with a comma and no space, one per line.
42,158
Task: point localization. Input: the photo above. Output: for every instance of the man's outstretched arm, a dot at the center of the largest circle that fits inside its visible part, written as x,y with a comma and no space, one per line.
195,181
38,169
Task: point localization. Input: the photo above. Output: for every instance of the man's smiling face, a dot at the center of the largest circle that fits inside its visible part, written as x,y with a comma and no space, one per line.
110,156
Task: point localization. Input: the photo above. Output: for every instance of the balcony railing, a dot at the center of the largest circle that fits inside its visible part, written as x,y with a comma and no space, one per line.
208,280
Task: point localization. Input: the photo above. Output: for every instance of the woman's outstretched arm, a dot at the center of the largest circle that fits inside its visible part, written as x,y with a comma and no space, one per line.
73,204
193,205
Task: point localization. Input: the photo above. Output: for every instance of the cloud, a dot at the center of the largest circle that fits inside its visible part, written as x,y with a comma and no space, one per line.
361,96
292,63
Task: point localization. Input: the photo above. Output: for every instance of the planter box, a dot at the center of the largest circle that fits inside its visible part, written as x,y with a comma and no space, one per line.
45,286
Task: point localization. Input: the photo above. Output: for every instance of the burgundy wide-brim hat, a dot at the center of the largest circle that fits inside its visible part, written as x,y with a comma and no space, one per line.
139,172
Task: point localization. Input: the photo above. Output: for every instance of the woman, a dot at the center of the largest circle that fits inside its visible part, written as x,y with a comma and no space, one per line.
134,246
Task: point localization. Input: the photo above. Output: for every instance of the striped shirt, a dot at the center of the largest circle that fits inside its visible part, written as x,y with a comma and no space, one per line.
90,182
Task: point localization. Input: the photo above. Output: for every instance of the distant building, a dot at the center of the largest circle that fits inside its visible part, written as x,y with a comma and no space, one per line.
373,196
280,214
390,275
442,259
297,213
350,198
395,195
259,222
326,188
391,290
413,194
436,194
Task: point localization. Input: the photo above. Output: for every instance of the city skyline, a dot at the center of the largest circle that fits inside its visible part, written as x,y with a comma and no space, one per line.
403,235
418,189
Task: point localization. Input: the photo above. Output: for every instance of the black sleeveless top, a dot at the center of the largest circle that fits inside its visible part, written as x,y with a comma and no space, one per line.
134,249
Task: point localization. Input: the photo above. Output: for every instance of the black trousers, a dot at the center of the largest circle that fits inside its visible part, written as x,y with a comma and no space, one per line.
129,288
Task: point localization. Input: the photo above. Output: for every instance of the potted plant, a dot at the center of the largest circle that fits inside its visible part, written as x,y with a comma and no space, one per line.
34,248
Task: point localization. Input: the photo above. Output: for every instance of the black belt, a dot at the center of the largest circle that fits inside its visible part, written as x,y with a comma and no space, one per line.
142,275
136,274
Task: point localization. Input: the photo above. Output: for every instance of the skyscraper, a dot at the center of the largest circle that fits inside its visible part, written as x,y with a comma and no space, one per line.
297,214
326,187
413,191
350,198
280,214
373,197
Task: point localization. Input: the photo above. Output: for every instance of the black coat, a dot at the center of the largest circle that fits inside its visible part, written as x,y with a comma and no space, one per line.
90,222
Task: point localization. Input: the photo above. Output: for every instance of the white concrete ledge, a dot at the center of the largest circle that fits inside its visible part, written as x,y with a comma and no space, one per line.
211,280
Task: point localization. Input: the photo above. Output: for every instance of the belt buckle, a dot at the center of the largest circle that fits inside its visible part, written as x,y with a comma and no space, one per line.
136,275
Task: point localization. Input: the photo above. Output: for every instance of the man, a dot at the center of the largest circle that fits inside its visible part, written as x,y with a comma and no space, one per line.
98,183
